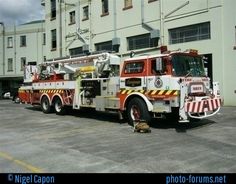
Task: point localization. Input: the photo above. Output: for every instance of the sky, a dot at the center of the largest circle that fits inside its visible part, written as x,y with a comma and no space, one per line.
20,11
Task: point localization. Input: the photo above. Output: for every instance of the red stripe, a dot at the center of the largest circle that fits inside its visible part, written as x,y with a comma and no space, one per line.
213,104
199,106
194,105
187,107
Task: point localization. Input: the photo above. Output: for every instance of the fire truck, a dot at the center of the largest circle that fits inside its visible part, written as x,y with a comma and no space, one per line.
169,84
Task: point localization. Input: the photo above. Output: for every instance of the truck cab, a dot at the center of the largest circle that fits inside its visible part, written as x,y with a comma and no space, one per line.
168,84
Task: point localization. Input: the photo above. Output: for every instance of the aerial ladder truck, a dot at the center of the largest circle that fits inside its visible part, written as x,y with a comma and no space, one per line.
169,84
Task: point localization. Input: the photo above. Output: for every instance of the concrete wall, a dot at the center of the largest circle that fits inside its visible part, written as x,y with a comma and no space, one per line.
175,13
33,51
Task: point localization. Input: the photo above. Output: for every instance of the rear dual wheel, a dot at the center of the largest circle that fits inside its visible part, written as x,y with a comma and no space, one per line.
57,104
45,105
59,107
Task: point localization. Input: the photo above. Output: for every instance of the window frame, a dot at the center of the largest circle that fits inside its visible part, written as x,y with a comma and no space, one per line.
72,17
105,8
53,39
10,42
147,42
151,1
76,51
135,70
22,63
186,34
23,41
10,63
53,9
85,13
103,44
44,38
128,4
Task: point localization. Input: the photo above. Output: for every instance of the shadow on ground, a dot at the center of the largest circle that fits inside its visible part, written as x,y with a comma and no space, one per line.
114,118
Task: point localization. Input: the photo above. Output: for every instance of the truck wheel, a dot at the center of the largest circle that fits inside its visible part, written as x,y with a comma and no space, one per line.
59,108
45,105
137,110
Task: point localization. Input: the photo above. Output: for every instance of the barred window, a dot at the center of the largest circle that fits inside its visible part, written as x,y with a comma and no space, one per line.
190,33
141,41
104,46
76,51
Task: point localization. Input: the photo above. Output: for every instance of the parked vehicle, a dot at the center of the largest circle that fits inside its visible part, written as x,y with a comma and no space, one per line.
172,83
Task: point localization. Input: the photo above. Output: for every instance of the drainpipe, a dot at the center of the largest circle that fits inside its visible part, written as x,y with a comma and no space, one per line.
15,48
115,19
3,49
161,22
90,27
60,28
115,39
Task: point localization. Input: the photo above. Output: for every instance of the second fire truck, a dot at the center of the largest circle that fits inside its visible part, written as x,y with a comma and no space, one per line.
141,88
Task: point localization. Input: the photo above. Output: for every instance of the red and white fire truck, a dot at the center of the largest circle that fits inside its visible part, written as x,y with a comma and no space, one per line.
172,83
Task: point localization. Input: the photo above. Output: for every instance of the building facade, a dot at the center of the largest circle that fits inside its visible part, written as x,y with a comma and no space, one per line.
75,27
19,46
142,26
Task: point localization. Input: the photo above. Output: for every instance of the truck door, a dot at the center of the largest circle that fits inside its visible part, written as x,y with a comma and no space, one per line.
134,75
158,79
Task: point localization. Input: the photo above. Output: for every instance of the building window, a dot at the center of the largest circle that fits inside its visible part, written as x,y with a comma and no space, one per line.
190,33
76,51
127,4
10,65
150,1
54,39
34,63
22,63
85,13
141,41
44,38
22,41
105,9
53,9
72,17
235,38
104,46
9,42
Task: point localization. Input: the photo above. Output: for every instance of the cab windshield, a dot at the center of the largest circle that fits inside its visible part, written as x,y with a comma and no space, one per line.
184,65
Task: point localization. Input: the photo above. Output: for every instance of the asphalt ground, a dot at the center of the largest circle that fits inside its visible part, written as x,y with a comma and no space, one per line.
93,142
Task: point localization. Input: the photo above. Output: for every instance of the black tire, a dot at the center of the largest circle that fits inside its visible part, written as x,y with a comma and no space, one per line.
58,106
45,105
137,110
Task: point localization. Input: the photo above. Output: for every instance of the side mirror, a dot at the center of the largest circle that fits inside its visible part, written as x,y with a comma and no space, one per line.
159,64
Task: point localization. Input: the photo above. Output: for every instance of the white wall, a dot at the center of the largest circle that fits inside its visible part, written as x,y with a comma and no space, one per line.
33,51
177,13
